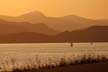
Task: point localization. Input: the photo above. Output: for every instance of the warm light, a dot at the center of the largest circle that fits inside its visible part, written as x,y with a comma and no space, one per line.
84,8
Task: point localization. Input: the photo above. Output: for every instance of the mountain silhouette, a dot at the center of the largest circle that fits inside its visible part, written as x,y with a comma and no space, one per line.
24,37
32,17
61,24
33,14
7,27
90,34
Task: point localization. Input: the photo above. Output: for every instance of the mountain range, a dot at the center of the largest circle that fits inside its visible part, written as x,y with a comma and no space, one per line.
36,27
60,24
7,27
91,34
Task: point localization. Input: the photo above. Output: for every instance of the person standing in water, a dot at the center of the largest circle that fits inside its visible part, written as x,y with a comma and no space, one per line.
91,43
71,44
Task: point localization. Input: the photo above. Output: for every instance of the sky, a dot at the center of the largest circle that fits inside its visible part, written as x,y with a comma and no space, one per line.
94,9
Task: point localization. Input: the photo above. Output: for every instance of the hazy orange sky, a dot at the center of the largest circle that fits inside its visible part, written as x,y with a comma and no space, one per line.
97,9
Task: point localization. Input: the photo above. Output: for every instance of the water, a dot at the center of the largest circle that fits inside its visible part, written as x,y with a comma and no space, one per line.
22,52
7,50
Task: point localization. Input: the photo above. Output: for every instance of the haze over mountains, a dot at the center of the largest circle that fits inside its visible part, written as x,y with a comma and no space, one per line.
91,34
70,22
36,27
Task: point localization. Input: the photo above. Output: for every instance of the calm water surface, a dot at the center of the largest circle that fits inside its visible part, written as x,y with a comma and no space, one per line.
7,50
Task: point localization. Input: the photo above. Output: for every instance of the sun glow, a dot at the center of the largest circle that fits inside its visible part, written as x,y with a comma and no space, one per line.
85,8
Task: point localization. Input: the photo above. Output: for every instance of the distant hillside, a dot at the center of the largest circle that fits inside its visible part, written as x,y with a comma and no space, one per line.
69,23
7,27
90,34
24,37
